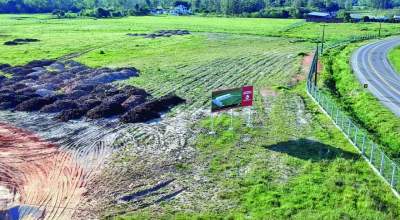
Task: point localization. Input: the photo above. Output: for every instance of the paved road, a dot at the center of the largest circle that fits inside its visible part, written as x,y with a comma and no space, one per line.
372,67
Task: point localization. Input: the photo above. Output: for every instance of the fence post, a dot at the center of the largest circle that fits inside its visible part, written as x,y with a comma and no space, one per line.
382,161
393,174
349,128
355,137
363,145
321,100
372,153
337,116
343,124
328,107
315,90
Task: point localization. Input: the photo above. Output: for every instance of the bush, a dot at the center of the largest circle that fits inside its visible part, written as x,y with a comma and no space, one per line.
103,13
59,13
275,13
298,12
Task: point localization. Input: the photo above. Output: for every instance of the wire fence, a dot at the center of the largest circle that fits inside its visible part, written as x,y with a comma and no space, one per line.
352,39
371,152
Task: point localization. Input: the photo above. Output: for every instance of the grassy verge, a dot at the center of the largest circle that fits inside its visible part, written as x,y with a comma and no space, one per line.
363,107
394,57
284,170
59,37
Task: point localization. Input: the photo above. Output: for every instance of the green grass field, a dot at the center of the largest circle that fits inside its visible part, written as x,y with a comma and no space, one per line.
281,171
394,57
294,164
381,123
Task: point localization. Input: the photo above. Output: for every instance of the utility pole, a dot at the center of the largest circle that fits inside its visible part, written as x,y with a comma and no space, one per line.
315,66
380,28
323,38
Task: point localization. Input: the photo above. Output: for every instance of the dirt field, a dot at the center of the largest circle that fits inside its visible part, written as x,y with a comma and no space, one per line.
39,174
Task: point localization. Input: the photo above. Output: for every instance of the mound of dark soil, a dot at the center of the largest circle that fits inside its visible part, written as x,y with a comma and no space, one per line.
7,96
133,101
4,66
139,114
164,103
20,41
39,63
6,105
162,33
109,77
75,91
35,104
89,104
59,105
110,107
134,91
2,78
136,35
76,94
151,110
71,114
18,70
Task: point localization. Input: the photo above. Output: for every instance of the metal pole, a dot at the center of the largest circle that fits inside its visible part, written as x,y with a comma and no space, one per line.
355,136
249,118
372,153
393,173
344,118
380,27
231,126
212,132
382,161
348,128
337,116
316,66
363,145
323,38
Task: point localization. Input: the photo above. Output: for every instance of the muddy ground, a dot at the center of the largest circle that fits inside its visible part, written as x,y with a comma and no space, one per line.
72,91
20,41
161,33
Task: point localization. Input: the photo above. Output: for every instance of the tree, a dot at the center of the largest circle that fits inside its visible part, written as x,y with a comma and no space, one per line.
103,13
332,6
183,3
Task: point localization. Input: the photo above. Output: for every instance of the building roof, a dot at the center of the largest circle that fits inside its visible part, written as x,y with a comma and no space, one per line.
356,16
319,14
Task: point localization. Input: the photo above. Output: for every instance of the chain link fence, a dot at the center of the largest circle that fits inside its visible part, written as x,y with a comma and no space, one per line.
370,151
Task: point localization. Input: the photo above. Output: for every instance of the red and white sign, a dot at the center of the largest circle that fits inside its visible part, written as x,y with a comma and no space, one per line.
247,96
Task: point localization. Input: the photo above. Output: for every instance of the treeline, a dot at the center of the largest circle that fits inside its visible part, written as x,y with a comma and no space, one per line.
256,8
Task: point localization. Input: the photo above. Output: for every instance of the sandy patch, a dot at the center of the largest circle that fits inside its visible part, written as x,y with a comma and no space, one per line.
40,175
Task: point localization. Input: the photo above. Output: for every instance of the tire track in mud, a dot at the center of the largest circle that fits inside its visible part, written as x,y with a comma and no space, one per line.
50,172
45,177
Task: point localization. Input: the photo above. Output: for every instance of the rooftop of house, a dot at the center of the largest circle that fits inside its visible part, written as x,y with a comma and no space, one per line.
319,14
356,16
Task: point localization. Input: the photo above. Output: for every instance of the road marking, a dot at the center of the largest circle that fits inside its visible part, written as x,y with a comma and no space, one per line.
369,55
373,88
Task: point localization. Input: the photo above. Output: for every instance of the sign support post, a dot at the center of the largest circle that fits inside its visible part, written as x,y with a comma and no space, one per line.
212,132
231,125
249,110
